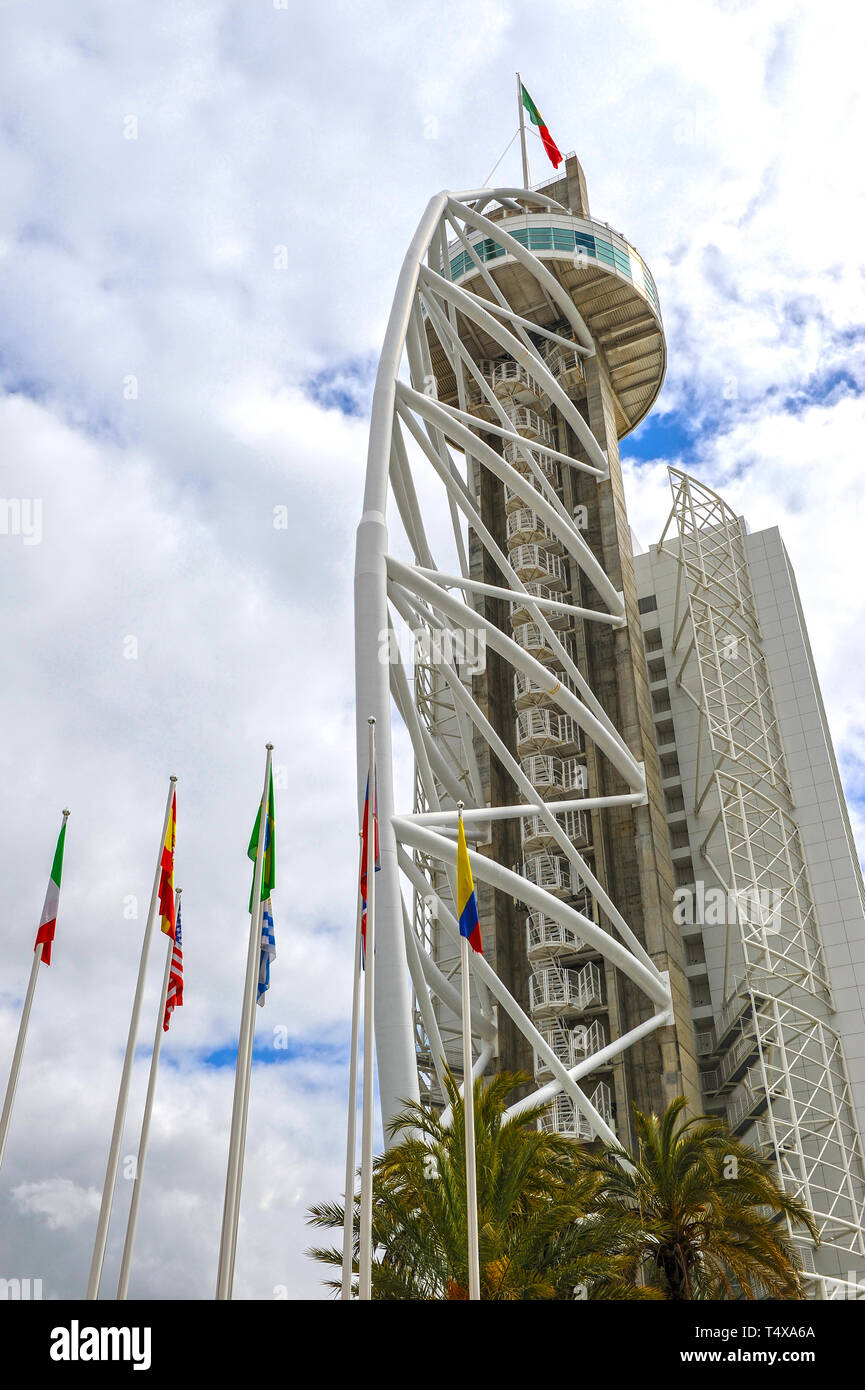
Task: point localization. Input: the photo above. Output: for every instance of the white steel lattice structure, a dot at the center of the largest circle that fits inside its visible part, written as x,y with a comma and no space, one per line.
776,1062
513,403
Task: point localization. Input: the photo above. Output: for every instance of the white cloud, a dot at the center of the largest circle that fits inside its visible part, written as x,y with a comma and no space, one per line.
61,1204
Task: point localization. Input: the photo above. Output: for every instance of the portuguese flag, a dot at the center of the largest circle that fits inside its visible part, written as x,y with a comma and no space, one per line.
268,868
537,119
45,934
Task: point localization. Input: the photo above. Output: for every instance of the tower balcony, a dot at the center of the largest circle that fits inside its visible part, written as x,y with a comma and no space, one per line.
565,365
562,1117
739,1057
544,731
571,1045
546,937
477,404
550,469
514,501
608,282
512,382
748,1101
535,833
531,424
560,990
525,527
551,776
550,871
520,610
535,562
534,641
528,693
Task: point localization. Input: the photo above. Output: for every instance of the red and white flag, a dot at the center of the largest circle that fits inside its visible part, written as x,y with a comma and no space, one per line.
174,998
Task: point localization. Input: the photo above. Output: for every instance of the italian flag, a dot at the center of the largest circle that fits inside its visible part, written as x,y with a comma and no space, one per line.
537,119
45,934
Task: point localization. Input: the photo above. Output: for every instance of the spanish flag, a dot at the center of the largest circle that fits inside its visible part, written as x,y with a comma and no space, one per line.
467,903
166,879
547,140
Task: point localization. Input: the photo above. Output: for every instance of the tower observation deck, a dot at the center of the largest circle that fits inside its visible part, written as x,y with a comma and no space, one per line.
495,533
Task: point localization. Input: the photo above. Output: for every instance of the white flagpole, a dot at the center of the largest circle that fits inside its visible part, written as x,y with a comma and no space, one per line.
126,1262
351,1136
522,131
469,1112
126,1076
11,1088
367,1112
243,1068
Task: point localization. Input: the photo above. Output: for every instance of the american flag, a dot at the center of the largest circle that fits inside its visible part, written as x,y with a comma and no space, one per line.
174,997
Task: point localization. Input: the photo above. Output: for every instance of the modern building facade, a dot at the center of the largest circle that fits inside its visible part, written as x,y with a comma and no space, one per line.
770,898
495,536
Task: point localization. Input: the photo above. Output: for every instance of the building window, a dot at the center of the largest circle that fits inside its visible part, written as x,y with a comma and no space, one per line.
683,873
648,604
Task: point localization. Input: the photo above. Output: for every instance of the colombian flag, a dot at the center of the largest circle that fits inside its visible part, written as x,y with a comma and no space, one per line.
547,140
166,879
467,903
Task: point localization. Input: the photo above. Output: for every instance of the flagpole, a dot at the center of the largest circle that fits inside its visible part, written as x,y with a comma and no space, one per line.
18,1054
132,1222
238,1181
367,1112
469,1113
126,1076
351,1136
243,1068
522,115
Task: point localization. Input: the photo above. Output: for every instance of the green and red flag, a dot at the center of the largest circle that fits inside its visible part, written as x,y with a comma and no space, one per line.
537,119
268,871
48,923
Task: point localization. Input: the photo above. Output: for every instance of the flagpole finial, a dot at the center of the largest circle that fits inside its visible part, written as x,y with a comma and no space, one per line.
371,719
172,778
269,747
66,814
460,804
178,891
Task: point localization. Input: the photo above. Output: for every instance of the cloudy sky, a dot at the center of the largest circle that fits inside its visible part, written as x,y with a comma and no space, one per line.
205,206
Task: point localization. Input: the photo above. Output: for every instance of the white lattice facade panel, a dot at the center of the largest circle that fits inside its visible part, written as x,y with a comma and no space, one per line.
758,832
736,695
769,879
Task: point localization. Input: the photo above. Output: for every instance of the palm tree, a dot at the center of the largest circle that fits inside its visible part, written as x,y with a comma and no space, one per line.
538,1238
700,1214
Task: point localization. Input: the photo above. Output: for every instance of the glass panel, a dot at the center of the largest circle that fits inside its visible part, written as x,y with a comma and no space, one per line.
541,238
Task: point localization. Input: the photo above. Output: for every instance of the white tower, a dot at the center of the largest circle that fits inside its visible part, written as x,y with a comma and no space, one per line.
532,340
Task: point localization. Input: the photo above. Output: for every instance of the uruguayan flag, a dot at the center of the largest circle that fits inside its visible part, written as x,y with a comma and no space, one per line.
268,950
